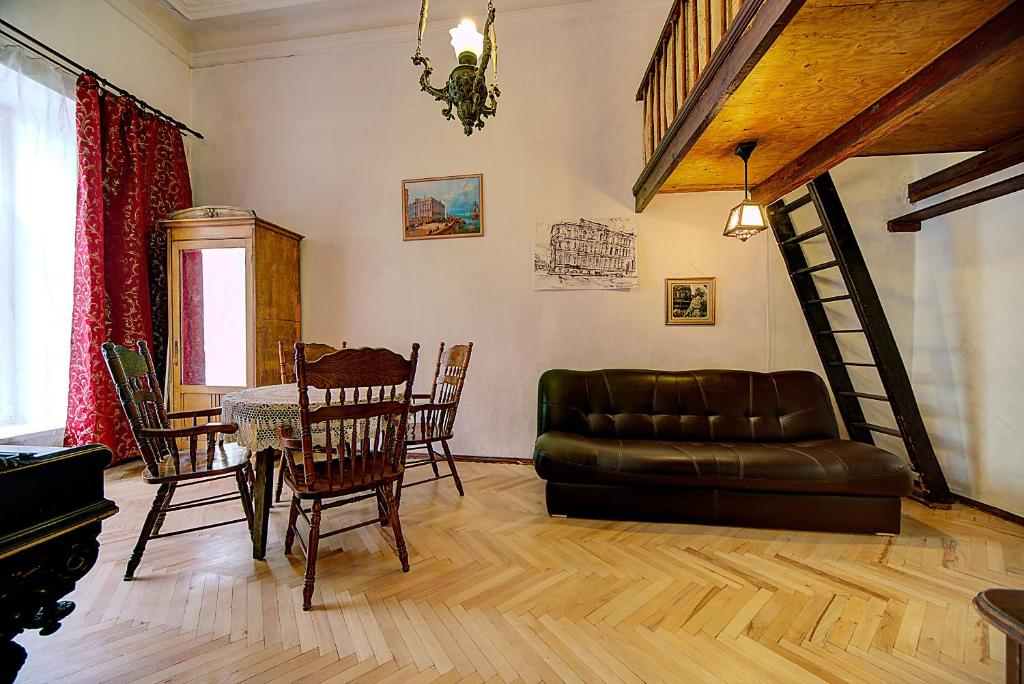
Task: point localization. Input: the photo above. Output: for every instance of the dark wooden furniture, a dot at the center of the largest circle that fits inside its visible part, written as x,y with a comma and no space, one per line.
286,356
364,421
834,226
167,466
286,360
719,447
51,511
1004,609
433,419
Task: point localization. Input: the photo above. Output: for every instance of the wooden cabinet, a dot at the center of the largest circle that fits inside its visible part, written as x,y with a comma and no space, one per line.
233,282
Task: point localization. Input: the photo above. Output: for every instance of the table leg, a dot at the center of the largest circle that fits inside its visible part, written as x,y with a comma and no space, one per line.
262,498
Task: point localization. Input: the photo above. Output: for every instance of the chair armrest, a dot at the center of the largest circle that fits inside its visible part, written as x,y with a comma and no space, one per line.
198,413
291,443
190,431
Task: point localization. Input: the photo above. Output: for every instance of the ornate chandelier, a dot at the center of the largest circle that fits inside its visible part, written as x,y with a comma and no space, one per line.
466,93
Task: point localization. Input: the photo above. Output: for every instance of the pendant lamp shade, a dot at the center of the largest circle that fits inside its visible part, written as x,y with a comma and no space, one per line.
747,218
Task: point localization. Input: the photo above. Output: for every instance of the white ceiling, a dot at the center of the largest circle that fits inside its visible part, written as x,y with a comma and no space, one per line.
205,26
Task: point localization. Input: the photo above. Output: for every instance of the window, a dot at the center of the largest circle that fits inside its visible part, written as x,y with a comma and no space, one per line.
38,186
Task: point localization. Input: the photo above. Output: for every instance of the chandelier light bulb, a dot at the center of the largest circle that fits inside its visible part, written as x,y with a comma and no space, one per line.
465,38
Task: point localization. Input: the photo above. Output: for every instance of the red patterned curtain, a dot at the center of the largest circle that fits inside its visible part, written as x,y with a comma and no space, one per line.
193,334
131,172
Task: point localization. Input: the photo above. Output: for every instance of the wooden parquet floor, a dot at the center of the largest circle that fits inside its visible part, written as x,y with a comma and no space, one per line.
500,592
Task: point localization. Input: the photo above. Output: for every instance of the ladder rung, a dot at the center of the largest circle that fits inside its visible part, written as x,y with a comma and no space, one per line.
838,332
851,363
865,395
879,428
822,300
812,269
797,203
807,235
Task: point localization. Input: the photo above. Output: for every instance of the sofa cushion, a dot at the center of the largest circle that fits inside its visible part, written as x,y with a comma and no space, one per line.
696,406
823,466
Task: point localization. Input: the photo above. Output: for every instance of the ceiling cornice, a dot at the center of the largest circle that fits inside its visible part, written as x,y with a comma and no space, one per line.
194,10
166,34
394,34
179,45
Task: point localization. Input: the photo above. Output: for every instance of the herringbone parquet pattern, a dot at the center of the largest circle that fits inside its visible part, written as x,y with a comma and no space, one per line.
499,591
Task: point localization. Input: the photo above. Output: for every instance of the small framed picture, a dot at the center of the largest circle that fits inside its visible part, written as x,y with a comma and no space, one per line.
690,301
446,207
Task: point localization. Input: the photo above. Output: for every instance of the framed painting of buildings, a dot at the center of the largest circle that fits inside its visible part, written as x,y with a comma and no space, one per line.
445,207
690,301
585,254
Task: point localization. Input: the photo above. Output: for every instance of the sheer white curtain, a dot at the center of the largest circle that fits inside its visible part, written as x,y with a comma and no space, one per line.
38,186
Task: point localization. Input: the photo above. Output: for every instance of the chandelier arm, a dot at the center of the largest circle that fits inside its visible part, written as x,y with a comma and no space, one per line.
422,28
494,42
481,67
425,86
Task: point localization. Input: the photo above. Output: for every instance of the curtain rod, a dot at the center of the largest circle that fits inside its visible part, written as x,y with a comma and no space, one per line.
62,61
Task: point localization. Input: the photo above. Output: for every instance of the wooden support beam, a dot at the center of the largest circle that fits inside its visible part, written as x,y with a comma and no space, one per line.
998,157
994,43
911,223
757,25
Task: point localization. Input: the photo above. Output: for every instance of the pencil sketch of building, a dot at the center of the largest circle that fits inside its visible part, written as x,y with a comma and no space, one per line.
585,254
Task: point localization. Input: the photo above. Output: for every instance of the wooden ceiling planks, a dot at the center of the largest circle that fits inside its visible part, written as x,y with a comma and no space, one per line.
834,60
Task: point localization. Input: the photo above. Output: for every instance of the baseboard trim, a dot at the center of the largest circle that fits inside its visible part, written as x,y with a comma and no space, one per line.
987,508
507,460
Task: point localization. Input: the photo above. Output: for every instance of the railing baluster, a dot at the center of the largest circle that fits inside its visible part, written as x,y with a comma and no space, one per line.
670,75
692,33
679,31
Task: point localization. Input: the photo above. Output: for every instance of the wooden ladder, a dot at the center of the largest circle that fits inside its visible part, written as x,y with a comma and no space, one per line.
930,484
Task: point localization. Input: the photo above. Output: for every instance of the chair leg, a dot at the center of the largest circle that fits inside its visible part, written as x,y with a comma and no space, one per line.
147,531
451,464
311,549
280,480
396,526
398,490
433,460
382,509
242,477
163,509
293,516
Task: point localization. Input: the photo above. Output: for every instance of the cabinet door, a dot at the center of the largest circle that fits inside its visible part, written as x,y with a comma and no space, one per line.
211,320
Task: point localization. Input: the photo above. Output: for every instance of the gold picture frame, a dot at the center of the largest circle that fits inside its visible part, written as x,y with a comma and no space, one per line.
690,301
443,207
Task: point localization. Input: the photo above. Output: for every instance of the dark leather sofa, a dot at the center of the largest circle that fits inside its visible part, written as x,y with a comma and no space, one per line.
720,447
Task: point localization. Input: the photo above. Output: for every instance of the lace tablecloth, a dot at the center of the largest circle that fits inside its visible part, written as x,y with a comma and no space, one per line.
260,411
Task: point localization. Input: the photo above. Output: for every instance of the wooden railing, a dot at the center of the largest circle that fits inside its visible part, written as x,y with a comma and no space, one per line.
692,32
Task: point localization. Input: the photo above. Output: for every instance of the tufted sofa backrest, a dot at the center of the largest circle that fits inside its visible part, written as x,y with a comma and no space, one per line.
695,406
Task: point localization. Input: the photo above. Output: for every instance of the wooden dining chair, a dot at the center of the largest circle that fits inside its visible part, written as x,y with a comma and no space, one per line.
363,419
286,356
167,466
286,361
432,416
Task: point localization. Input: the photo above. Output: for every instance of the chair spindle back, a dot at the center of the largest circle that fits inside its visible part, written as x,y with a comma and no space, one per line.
446,390
364,414
286,357
139,392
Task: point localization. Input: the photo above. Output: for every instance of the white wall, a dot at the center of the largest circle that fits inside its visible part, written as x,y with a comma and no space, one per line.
321,142
968,325
95,35
954,296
